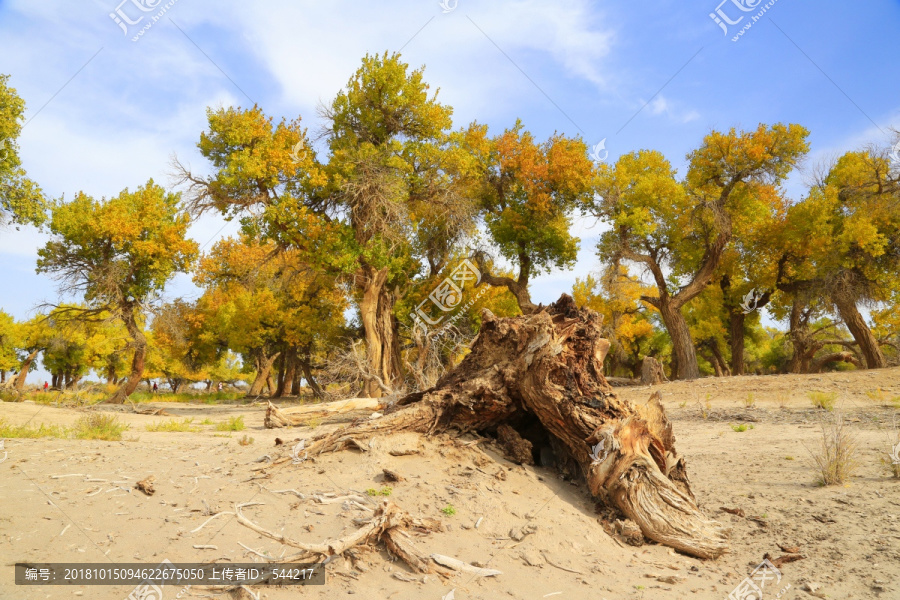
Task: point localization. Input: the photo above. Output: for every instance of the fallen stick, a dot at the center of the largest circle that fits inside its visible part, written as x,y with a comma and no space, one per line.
210,519
558,566
458,565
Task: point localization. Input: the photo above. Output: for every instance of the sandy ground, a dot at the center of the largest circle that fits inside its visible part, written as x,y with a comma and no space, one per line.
74,501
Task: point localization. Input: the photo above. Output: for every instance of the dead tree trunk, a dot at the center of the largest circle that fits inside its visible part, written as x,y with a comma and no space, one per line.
652,372
546,369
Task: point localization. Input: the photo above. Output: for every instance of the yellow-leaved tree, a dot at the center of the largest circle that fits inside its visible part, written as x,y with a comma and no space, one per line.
118,253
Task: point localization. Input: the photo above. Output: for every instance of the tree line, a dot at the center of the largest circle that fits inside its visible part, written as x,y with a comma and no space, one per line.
348,260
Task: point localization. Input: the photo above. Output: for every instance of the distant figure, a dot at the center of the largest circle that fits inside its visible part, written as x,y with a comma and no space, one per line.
155,388
220,386
46,386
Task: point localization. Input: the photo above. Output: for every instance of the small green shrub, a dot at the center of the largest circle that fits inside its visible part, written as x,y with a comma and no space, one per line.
173,425
749,401
245,441
385,491
449,510
742,427
232,424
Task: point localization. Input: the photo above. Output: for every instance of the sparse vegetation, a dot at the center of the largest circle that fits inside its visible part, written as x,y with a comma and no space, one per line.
449,510
24,431
742,427
782,400
245,441
96,426
99,426
836,457
385,491
876,395
232,424
823,400
749,401
173,425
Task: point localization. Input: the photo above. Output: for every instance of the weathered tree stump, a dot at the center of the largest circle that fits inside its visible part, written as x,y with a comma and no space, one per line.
652,372
542,374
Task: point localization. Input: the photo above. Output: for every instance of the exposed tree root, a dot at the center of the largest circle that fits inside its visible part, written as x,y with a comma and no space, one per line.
546,369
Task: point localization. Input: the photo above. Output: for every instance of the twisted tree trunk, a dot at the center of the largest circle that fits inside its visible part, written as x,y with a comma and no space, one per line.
858,327
382,346
139,342
546,370
19,380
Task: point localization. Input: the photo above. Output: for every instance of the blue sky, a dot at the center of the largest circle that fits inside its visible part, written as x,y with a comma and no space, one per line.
105,112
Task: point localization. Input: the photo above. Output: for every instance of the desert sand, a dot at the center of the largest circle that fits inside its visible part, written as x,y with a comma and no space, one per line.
74,501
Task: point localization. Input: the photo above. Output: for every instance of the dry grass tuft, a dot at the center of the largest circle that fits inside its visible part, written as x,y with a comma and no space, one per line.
824,400
836,457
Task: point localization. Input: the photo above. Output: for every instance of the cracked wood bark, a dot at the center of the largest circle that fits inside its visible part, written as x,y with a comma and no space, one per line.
548,365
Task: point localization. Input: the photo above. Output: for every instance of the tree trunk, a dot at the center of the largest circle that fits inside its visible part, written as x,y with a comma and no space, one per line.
270,384
542,374
721,363
282,366
306,366
286,376
23,372
518,287
686,366
736,339
858,327
376,310
139,342
263,370
845,356
717,367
